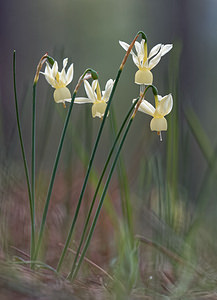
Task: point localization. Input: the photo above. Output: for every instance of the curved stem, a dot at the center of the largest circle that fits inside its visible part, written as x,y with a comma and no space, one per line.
56,164
74,272
99,184
23,153
76,266
33,165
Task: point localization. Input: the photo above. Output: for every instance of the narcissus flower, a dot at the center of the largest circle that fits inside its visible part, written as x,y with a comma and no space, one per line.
163,106
144,61
95,97
59,81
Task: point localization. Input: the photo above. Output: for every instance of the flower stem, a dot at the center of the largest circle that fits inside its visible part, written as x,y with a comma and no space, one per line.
94,152
24,157
76,268
99,184
124,187
33,164
50,188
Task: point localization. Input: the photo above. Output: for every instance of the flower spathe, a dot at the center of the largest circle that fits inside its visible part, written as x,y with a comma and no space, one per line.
59,81
144,61
163,106
95,97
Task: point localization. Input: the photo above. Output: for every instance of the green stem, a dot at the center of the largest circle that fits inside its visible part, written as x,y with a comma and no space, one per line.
87,176
33,165
94,152
72,274
76,266
23,154
56,164
125,199
99,184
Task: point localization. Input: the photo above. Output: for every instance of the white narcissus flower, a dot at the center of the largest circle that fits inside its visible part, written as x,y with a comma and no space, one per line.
59,81
144,61
163,107
95,97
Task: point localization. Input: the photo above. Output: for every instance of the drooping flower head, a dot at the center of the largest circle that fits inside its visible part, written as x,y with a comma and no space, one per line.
59,81
95,97
163,106
144,61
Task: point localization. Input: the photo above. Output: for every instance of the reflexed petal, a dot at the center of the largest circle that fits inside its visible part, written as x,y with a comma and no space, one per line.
154,50
143,77
89,91
62,77
136,60
54,69
69,75
126,46
146,108
166,48
159,97
158,124
165,105
82,100
98,109
50,80
62,95
154,61
48,70
108,89
142,46
65,61
94,84
138,47
109,83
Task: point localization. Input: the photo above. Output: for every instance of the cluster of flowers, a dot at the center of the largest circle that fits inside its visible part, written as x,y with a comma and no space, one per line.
143,77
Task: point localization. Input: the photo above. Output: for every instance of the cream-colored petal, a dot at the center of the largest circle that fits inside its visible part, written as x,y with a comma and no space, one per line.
159,97
138,47
147,108
61,95
69,74
62,77
143,77
65,61
50,80
126,46
154,61
54,69
48,70
89,91
154,50
166,48
82,100
134,56
94,84
108,89
109,83
165,105
158,124
142,46
136,60
98,109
